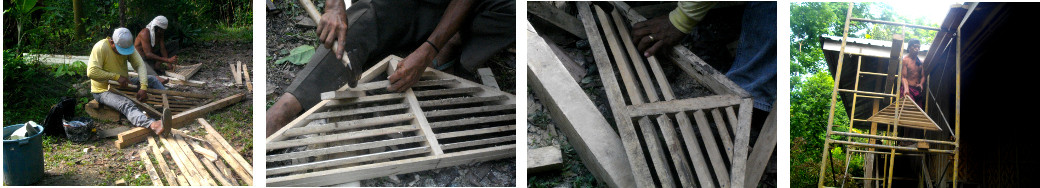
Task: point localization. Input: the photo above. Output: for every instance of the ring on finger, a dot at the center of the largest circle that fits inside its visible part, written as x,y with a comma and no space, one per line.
651,38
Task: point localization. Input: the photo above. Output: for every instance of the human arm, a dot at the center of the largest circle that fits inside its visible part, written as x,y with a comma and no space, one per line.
146,49
95,70
411,68
661,32
332,28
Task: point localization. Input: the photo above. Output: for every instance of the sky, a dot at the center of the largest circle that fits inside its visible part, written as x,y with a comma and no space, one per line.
935,12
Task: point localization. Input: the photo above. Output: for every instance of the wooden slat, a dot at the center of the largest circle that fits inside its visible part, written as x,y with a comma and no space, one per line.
340,137
166,171
476,131
640,172
740,144
634,95
190,175
368,171
657,155
675,148
219,176
691,104
470,110
450,91
763,150
210,155
720,123
500,139
224,170
152,175
229,153
708,138
415,108
344,148
333,95
473,121
347,160
193,159
357,111
245,73
635,58
460,100
693,146
355,124
365,99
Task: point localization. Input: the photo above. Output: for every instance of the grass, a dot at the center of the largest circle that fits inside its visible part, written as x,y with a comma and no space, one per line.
224,33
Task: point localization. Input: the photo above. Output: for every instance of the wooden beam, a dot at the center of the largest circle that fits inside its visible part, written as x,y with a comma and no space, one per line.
349,94
556,17
640,172
179,120
383,169
245,73
740,143
690,104
189,172
487,77
573,112
228,152
544,159
154,176
171,178
193,160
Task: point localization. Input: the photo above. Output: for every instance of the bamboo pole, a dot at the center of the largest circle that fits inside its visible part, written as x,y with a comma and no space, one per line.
834,98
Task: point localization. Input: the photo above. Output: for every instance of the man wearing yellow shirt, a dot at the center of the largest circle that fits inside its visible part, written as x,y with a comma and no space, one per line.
107,62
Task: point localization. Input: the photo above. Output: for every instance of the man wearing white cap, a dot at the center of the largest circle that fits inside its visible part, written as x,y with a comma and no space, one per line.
107,63
146,42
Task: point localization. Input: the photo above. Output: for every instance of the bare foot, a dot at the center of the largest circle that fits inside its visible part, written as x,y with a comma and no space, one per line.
157,127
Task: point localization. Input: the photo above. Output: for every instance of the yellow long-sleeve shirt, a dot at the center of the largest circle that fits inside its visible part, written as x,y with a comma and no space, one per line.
688,14
106,64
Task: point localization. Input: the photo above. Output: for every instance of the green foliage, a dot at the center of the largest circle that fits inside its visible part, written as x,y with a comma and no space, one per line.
77,68
30,90
299,55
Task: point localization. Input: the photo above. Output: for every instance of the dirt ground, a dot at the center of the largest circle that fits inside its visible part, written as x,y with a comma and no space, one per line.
722,26
99,162
284,35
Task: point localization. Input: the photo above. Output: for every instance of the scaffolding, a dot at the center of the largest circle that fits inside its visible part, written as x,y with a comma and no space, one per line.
902,111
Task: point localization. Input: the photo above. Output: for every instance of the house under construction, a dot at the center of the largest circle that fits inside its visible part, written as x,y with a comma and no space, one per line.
977,53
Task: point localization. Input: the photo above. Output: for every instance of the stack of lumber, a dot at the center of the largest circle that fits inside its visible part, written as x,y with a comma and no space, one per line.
206,161
669,142
368,132
240,73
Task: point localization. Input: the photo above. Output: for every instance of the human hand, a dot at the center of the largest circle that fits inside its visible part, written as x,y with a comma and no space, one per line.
123,81
172,60
332,30
653,34
410,69
142,95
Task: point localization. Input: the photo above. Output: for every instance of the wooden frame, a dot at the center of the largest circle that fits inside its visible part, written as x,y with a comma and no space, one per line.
185,72
653,113
419,129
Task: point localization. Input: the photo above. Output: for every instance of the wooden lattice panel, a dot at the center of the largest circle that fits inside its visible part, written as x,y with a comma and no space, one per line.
664,136
184,72
442,121
910,115
179,101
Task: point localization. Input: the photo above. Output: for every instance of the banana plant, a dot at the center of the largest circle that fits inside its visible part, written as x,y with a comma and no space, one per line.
22,11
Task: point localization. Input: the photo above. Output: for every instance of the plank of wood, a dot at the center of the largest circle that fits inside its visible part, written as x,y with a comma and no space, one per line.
345,125
544,159
450,91
368,171
102,112
720,124
221,145
152,174
596,143
640,172
365,99
691,104
210,155
193,159
634,95
708,138
635,58
557,17
700,166
357,111
675,148
229,156
112,132
340,137
219,176
349,94
501,139
460,100
226,172
344,148
470,110
689,62
487,77
348,160
476,131
190,175
148,109
763,150
177,81
740,143
180,119
657,155
473,121
576,69
171,178
245,73
236,74
185,72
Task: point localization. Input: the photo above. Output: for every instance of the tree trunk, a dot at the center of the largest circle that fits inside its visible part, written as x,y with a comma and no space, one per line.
77,9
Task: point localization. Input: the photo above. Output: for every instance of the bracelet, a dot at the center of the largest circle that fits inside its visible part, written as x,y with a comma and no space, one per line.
435,48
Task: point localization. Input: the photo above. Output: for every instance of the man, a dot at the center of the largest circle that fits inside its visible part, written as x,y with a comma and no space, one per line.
435,31
912,75
753,69
152,34
107,62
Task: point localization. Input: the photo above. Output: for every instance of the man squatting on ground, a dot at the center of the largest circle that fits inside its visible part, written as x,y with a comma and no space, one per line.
433,30
107,62
753,69
152,34
913,73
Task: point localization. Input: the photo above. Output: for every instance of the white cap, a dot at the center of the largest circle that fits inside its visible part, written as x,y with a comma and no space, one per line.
124,41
